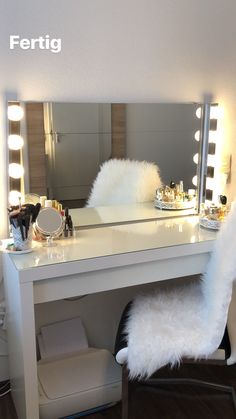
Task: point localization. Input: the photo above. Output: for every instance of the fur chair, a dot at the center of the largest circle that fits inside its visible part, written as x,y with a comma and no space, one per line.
182,322
124,182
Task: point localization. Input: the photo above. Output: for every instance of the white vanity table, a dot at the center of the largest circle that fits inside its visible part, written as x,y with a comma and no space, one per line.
129,213
95,260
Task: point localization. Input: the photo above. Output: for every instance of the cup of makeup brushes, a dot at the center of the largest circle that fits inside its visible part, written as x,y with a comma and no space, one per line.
22,241
21,220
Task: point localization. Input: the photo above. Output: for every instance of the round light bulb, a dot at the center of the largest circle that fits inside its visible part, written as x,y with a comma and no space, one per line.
216,112
199,112
210,183
194,180
211,160
16,170
197,135
15,112
196,158
213,136
14,198
15,142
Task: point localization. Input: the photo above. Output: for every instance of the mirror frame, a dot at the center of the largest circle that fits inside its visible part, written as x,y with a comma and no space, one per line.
203,170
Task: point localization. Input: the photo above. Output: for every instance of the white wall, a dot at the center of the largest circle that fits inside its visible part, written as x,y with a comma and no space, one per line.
146,50
126,50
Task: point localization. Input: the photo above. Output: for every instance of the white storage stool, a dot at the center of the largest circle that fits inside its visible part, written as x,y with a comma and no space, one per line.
76,383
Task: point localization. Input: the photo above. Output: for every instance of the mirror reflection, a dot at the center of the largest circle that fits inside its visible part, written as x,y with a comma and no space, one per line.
65,145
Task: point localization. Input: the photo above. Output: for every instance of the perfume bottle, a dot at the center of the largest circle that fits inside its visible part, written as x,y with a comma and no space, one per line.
181,190
223,206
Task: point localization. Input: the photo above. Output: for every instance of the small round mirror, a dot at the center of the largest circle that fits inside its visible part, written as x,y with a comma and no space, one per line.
49,223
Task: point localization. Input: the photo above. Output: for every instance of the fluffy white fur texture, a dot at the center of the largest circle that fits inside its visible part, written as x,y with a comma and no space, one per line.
124,182
187,321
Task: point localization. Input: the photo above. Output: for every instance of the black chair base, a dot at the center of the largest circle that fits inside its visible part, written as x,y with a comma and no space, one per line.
153,382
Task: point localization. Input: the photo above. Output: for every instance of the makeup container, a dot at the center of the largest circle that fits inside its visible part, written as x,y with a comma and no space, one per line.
54,204
59,207
173,197
48,203
21,221
212,216
42,201
68,230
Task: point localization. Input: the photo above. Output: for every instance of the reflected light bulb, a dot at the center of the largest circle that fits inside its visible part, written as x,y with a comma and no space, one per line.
197,135
15,113
199,112
15,142
16,170
196,158
14,198
194,180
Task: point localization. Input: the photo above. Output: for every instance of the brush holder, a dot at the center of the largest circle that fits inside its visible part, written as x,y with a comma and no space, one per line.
19,242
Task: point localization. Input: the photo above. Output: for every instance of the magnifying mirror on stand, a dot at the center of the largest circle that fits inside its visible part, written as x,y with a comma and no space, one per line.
49,224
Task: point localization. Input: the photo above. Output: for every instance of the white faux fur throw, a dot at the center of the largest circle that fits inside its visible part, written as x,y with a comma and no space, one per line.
124,182
187,321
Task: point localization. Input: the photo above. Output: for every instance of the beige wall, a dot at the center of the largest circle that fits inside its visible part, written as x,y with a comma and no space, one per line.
229,147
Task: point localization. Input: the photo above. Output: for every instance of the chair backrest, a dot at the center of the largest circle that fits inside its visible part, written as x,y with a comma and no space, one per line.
217,281
124,182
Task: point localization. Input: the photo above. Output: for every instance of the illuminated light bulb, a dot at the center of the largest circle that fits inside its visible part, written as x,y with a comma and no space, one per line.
14,198
199,112
196,158
194,180
213,136
211,160
16,170
15,113
210,183
197,135
15,142
216,112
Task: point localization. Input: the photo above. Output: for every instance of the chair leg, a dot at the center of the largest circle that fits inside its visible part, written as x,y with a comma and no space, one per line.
191,381
125,392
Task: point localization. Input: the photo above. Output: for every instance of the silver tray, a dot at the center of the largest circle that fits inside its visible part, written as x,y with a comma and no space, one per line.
211,224
176,205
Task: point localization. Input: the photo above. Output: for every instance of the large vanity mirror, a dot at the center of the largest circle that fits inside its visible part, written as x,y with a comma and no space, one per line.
66,143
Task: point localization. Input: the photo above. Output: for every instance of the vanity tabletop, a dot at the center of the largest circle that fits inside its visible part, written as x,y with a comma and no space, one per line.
117,245
96,216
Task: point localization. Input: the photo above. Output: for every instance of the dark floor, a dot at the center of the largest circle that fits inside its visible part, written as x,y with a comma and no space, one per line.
169,402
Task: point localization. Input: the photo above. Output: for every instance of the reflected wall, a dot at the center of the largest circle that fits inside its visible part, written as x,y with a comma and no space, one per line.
66,143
